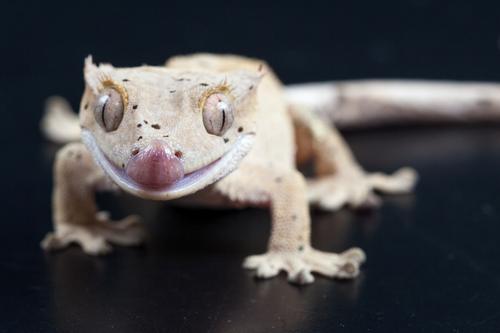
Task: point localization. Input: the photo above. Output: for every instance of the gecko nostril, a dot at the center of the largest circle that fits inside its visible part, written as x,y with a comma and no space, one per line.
178,153
154,166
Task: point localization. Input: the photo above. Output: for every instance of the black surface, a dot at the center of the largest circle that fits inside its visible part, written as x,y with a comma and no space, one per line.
432,257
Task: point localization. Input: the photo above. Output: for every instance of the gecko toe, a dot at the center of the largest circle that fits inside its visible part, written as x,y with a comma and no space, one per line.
355,254
302,277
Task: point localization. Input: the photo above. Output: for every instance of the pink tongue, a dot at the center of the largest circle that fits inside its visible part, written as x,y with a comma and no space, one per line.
155,167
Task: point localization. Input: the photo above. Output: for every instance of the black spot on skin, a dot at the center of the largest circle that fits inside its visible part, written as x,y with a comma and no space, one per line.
135,107
226,140
139,138
251,87
156,126
204,84
240,129
125,80
180,79
139,125
86,106
178,153
278,179
135,151
294,217
301,248
78,156
145,122
165,136
172,91
123,166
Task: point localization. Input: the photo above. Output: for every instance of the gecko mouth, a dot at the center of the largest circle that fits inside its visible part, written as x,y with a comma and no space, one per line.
190,183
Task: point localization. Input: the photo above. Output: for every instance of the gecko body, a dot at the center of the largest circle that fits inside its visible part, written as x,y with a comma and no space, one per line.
213,130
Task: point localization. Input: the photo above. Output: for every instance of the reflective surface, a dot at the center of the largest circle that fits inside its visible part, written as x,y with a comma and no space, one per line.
433,257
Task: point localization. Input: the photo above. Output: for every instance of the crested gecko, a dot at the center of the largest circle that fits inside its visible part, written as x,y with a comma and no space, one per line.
217,130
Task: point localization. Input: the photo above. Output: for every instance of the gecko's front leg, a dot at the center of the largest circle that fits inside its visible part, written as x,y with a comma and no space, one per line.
76,217
289,245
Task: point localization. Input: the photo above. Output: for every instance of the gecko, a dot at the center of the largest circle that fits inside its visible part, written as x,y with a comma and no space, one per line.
223,131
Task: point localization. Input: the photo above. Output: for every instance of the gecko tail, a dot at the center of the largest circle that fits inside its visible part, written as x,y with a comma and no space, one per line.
59,123
372,103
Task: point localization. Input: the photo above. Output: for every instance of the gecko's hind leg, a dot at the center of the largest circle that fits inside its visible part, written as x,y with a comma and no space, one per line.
357,188
76,218
402,181
340,180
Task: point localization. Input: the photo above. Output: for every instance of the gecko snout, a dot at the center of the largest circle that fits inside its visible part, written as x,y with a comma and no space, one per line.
154,166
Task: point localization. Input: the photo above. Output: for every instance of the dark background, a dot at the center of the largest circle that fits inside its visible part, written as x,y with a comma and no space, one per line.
432,257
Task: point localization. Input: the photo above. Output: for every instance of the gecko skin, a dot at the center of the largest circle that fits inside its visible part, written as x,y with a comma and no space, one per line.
214,130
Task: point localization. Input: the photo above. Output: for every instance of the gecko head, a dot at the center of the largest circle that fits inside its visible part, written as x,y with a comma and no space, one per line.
163,133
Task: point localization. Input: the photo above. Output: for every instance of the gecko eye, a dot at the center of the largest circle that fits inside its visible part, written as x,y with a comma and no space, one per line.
217,114
108,111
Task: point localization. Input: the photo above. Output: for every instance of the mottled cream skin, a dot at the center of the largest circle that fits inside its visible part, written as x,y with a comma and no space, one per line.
255,160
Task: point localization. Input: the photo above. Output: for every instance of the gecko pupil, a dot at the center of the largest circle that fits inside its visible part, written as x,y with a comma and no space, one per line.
108,111
223,120
103,109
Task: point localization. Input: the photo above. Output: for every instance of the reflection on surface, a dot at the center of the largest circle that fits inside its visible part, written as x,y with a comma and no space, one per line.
189,275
